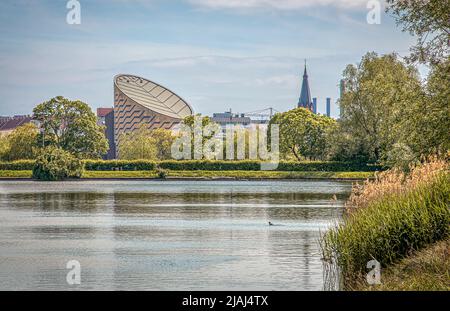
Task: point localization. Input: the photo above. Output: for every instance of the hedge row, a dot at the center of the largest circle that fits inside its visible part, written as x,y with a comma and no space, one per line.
119,165
21,165
247,165
197,165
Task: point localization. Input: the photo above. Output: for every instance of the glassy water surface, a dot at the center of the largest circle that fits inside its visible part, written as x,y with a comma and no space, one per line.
166,235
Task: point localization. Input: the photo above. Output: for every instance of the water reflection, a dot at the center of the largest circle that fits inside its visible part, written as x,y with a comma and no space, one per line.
166,235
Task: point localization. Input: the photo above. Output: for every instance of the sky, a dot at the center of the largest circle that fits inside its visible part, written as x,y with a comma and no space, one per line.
244,55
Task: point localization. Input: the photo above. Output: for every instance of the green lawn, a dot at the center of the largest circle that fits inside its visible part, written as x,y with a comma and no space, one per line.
15,174
206,174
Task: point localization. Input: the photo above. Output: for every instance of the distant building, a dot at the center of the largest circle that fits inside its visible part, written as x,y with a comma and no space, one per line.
228,118
314,105
305,97
328,107
141,102
9,124
101,114
105,117
305,93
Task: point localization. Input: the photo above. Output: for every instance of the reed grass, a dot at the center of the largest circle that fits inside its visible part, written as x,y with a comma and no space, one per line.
389,218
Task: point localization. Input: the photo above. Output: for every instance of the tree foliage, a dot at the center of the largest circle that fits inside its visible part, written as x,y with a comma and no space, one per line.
146,144
189,120
137,145
429,21
426,124
389,115
53,164
377,92
23,142
163,140
72,126
20,144
205,122
303,134
4,148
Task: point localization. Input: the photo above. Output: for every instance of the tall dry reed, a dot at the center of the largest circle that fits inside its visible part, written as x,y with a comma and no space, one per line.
395,182
388,218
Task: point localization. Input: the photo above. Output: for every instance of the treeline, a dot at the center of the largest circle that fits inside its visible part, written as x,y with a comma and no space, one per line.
389,116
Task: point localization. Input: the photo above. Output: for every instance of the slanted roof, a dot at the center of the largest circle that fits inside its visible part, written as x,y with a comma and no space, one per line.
15,122
153,96
102,112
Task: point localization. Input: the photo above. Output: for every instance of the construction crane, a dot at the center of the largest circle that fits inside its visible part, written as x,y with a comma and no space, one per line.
262,114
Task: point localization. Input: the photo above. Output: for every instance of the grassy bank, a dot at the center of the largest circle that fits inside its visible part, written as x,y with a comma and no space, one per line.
427,270
206,174
388,220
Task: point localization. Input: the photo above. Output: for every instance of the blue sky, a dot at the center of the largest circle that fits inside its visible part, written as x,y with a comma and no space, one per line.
217,54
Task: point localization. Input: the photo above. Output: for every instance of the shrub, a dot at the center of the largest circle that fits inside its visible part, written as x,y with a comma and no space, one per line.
119,165
162,173
56,164
388,219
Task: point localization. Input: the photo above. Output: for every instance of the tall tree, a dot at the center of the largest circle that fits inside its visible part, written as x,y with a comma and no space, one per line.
205,121
377,92
303,134
72,126
23,142
426,125
429,20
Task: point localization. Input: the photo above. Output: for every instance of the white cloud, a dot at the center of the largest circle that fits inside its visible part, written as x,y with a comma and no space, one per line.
289,81
277,4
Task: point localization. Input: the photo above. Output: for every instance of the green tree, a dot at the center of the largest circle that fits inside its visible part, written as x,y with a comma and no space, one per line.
54,164
303,134
429,21
189,121
23,142
343,146
72,126
377,92
426,124
137,145
4,147
163,140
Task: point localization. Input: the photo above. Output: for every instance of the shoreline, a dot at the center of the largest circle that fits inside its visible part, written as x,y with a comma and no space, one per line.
204,176
190,179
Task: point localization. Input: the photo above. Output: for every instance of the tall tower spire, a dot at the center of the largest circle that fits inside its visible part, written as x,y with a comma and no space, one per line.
305,94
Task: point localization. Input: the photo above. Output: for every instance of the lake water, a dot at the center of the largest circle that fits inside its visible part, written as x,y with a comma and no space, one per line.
166,235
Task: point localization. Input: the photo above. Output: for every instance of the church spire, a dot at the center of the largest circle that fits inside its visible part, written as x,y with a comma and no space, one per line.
305,94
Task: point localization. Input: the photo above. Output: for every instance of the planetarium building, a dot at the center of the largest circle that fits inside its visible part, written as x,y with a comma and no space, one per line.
138,101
